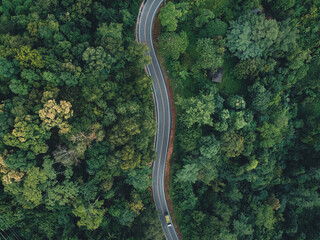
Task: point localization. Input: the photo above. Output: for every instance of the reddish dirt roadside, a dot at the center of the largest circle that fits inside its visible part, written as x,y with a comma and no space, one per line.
156,34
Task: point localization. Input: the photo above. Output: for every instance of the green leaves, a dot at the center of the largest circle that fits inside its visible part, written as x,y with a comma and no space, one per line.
189,199
237,120
62,194
51,78
29,58
265,217
57,170
21,160
232,155
251,36
136,53
95,58
242,227
188,173
28,134
204,16
90,215
55,115
7,68
236,102
31,187
197,110
232,144
216,28
6,121
18,87
260,97
273,132
172,45
209,146
31,76
169,16
210,53
140,178
69,79
97,157
110,37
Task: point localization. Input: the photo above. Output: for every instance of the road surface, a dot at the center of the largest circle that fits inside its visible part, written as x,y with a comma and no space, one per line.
163,113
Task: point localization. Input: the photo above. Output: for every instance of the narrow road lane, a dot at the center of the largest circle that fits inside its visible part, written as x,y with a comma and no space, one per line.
163,113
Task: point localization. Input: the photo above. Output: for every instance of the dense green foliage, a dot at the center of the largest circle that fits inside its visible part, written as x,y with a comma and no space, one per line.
76,122
247,149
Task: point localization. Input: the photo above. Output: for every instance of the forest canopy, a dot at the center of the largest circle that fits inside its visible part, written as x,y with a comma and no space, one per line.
246,152
76,122
77,119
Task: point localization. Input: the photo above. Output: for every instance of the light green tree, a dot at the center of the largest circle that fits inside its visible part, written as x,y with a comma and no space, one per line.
21,160
204,16
198,3
136,54
210,53
169,16
270,134
32,191
197,110
51,78
140,178
18,87
111,39
209,169
130,158
209,146
82,6
91,215
260,97
62,194
28,134
265,217
172,45
95,58
29,58
188,173
6,68
237,120
252,36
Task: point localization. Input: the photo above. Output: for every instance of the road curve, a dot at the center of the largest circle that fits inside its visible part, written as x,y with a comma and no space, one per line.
146,17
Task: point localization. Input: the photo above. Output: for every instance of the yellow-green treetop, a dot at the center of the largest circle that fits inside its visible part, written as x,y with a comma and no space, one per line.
54,115
29,58
9,174
28,134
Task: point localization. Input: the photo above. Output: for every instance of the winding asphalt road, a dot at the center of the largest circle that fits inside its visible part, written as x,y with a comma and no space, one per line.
163,113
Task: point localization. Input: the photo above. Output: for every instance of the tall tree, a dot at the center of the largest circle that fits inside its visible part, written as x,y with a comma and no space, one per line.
169,16
252,36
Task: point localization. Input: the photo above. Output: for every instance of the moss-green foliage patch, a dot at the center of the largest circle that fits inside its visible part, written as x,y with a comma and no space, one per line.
230,85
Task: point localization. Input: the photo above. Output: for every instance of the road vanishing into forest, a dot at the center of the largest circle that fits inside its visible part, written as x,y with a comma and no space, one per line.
146,17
